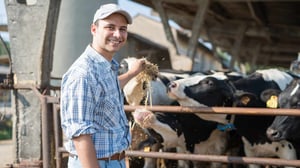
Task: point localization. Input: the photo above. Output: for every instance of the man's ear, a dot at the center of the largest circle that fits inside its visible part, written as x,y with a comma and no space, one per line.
93,28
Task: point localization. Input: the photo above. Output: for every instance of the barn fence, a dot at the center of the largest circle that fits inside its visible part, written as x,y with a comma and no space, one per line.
60,150
197,157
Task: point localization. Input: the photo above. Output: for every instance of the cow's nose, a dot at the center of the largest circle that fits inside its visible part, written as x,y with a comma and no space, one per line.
171,85
273,134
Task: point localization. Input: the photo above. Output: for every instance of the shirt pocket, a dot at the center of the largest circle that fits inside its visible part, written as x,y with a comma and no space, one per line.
109,111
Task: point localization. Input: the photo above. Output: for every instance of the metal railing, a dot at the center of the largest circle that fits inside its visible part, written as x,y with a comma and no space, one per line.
58,136
196,157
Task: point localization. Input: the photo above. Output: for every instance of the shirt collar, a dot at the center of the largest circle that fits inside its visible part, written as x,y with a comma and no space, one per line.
95,56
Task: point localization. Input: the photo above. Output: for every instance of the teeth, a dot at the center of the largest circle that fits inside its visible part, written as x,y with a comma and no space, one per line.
114,41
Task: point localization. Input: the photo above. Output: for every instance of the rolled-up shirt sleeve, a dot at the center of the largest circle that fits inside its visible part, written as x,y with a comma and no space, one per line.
77,108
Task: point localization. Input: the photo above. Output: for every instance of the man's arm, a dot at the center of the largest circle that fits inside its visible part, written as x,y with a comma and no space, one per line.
137,67
86,151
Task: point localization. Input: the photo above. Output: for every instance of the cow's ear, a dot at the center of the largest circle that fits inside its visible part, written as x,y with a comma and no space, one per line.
245,97
266,94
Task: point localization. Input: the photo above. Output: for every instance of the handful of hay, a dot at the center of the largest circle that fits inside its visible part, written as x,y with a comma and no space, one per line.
150,72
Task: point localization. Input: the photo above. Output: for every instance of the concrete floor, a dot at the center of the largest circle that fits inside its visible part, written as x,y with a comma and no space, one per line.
6,152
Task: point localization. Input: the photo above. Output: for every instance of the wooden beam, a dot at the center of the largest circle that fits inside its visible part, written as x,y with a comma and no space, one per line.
280,57
228,27
254,54
281,48
284,31
185,2
267,59
237,44
257,13
203,6
225,40
266,48
247,0
159,7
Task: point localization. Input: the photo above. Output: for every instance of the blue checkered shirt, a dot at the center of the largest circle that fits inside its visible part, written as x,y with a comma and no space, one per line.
92,103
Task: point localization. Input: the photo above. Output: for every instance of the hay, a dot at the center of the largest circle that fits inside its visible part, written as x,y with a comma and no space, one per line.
149,73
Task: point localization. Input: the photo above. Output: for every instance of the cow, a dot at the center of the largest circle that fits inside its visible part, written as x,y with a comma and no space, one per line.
152,93
217,90
185,132
287,127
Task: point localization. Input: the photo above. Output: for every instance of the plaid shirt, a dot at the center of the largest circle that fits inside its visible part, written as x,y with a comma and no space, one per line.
92,103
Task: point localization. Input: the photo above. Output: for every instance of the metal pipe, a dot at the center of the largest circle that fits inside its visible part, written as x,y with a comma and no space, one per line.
215,158
45,136
30,86
57,135
217,110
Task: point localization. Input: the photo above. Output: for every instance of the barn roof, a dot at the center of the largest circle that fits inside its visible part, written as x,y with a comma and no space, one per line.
261,32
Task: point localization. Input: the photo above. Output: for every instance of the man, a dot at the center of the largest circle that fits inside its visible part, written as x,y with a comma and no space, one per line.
92,113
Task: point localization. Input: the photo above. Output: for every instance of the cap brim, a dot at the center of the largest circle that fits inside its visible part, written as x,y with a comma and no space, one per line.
120,11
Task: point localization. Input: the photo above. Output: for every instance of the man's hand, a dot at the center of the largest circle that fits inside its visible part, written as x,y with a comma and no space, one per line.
137,67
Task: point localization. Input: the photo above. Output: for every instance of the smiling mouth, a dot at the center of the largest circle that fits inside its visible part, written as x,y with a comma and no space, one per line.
115,41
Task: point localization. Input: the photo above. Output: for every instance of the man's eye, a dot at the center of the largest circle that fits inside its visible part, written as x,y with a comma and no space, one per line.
123,30
110,27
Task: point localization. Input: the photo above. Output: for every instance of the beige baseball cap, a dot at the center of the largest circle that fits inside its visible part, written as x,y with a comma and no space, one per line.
108,9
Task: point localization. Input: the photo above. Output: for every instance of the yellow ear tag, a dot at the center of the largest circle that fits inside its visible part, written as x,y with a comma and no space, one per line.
245,100
272,102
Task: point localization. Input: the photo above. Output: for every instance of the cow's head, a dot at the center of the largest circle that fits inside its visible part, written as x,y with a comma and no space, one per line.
202,90
287,127
284,127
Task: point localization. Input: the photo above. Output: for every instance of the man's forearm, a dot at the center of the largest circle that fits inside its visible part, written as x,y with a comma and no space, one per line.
86,151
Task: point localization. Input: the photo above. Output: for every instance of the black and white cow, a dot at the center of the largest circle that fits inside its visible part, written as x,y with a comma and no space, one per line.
287,127
135,93
185,132
217,90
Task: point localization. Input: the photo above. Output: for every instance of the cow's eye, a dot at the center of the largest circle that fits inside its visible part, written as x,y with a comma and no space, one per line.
209,82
